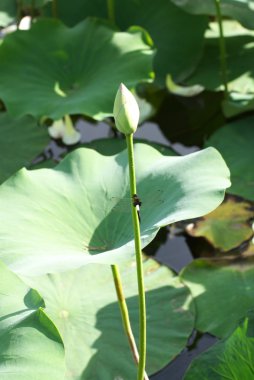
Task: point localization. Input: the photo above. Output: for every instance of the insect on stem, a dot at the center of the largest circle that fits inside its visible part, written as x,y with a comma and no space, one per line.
137,204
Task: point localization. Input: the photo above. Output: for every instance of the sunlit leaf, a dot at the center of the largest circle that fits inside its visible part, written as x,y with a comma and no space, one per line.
241,10
74,70
237,103
63,218
235,142
31,347
83,305
186,91
177,35
222,291
239,56
7,12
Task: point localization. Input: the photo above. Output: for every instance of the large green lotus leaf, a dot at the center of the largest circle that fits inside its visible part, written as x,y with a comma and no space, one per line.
222,292
79,212
72,70
226,227
230,359
178,36
234,142
21,140
30,347
241,10
83,305
239,48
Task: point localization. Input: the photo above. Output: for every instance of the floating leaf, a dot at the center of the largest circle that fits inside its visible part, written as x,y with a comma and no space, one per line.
235,143
21,140
226,227
230,359
63,218
182,91
83,305
222,292
75,70
178,50
241,10
239,48
31,347
237,103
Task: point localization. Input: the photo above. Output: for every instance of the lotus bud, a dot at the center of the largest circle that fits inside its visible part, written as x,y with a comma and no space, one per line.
126,111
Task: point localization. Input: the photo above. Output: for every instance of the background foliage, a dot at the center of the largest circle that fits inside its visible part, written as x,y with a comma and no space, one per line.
69,62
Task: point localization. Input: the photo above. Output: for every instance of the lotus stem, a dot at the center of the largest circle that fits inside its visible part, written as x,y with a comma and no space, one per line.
223,55
111,10
139,263
54,9
19,11
125,314
32,9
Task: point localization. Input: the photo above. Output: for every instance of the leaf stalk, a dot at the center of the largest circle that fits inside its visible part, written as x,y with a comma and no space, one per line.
139,263
111,10
125,314
223,54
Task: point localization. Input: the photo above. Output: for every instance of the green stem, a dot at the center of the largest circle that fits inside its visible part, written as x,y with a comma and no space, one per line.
125,314
140,277
19,11
111,10
32,9
223,60
54,8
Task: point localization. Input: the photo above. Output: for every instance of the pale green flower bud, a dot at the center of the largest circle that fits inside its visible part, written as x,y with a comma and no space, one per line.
126,111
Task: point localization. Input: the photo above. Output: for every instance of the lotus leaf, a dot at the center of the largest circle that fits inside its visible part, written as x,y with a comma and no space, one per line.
239,57
235,142
179,45
83,305
221,288
241,10
72,70
21,140
226,227
63,218
31,347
